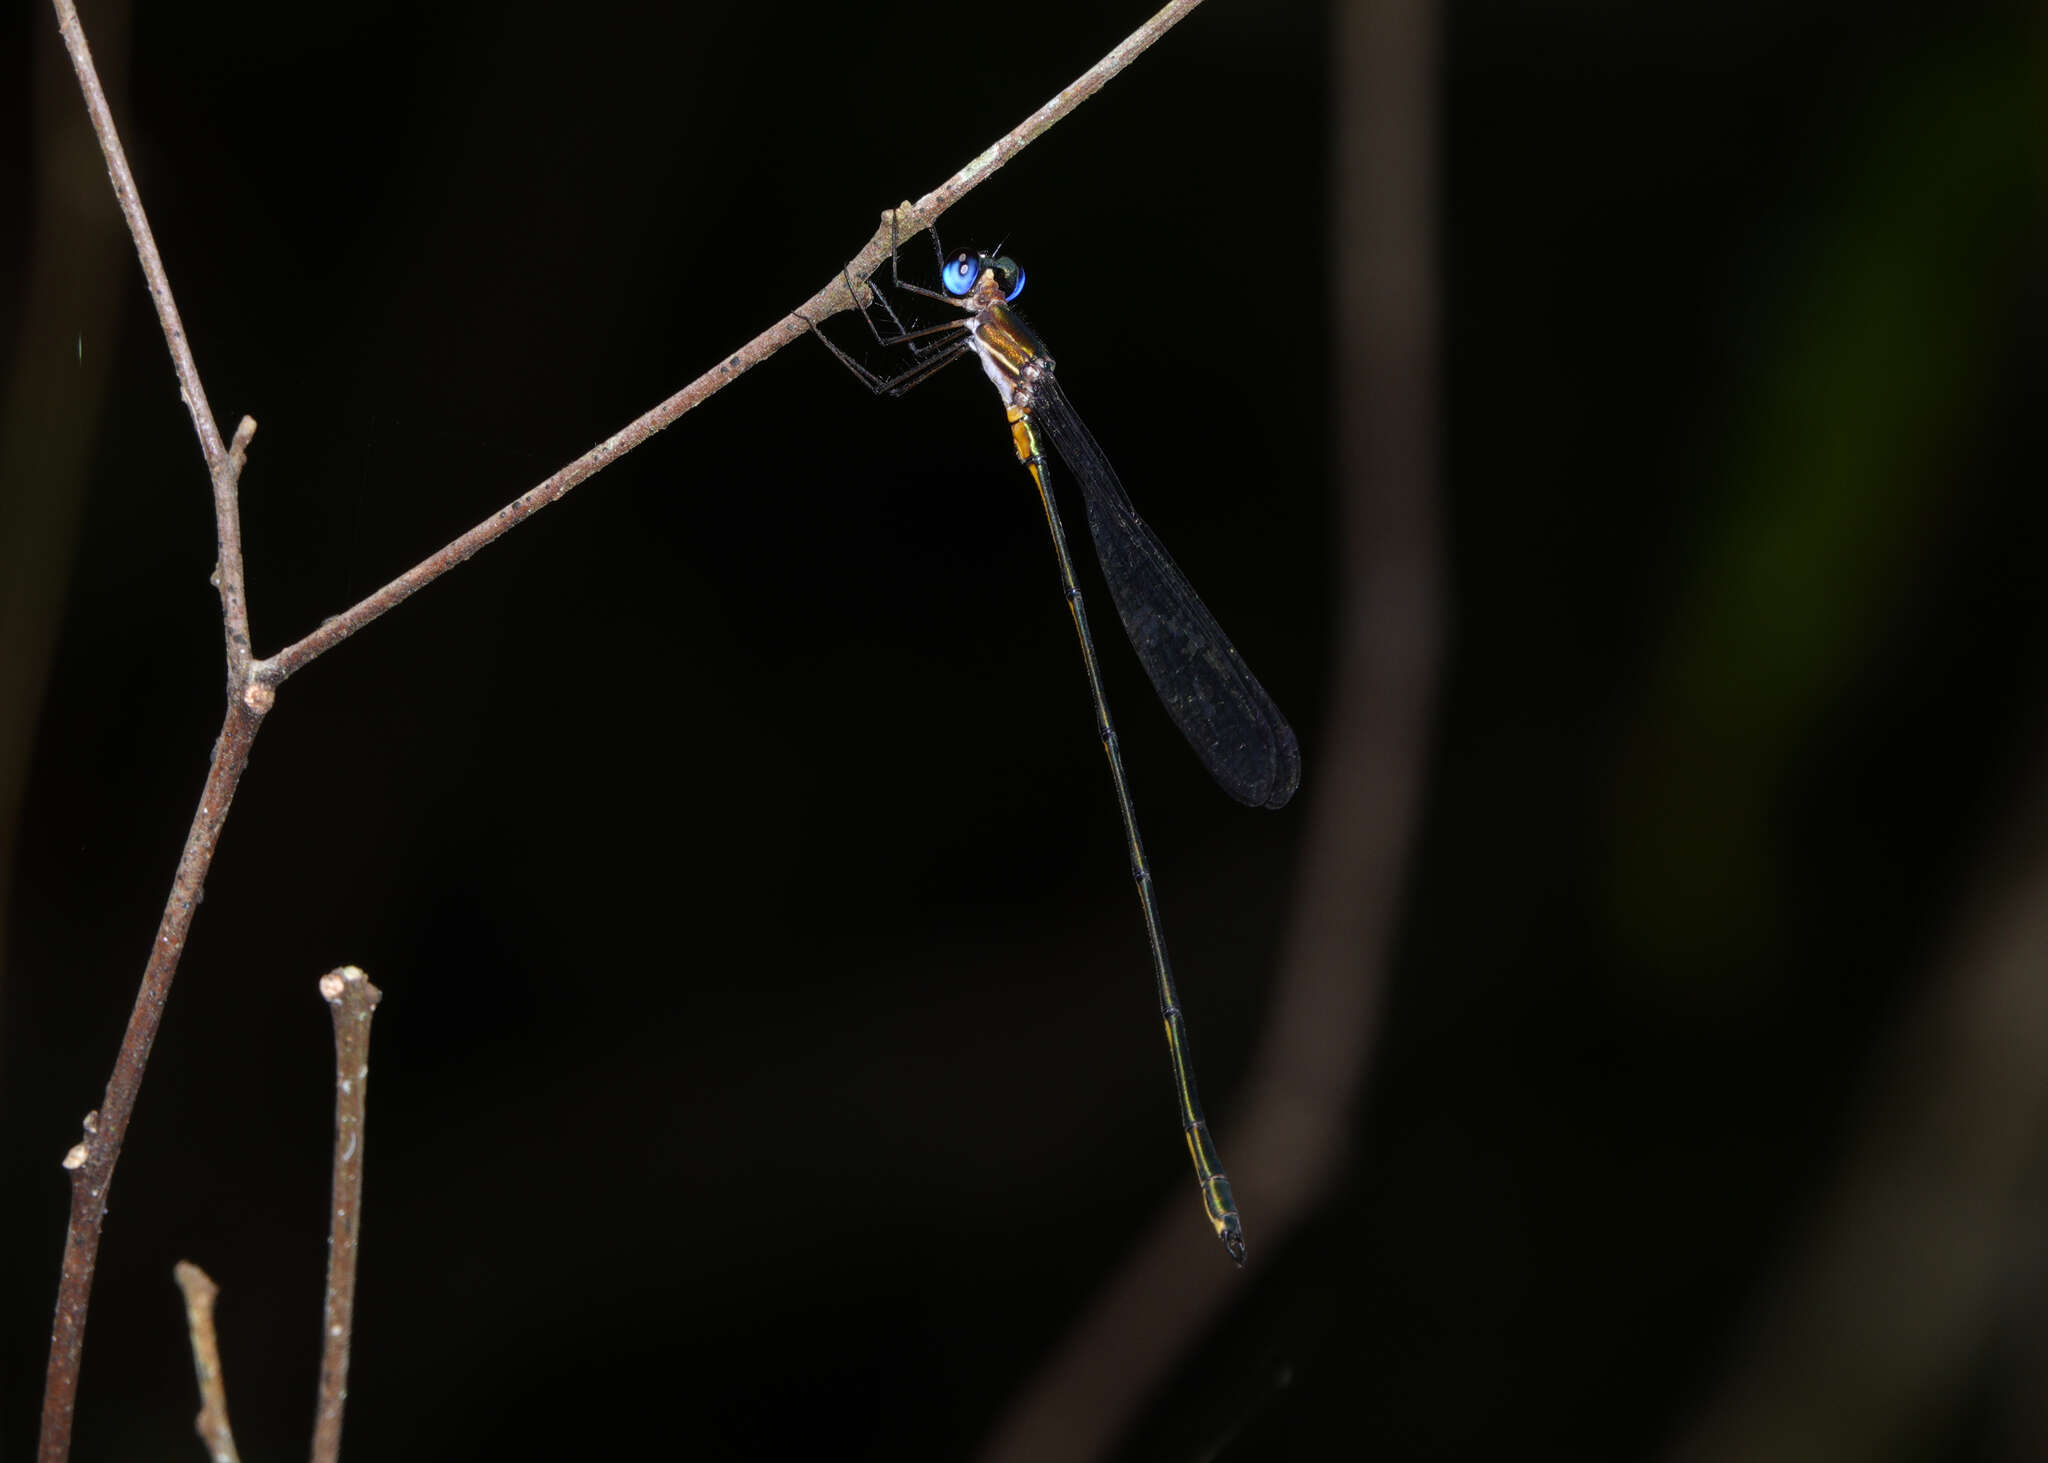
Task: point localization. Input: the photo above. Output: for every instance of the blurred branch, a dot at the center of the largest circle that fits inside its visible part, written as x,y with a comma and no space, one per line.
352,1001
212,1422
227,516
1931,1232
74,292
1311,1061
252,684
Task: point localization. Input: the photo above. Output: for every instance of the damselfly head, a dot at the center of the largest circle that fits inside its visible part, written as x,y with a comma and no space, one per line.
964,271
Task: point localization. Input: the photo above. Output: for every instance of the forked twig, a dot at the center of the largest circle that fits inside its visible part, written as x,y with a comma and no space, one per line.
252,683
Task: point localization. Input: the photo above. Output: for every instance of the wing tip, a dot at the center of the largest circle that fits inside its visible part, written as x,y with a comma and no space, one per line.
1281,779
1286,770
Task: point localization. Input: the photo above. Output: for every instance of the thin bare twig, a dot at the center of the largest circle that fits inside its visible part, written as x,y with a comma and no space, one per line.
252,684
352,1000
212,1422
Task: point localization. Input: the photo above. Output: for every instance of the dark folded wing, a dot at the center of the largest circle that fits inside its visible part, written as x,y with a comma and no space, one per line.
1202,681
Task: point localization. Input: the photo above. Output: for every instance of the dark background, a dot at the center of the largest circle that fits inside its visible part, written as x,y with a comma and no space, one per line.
767,1065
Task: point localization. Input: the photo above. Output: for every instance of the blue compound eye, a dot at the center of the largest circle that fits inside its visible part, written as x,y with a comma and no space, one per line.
1009,277
960,273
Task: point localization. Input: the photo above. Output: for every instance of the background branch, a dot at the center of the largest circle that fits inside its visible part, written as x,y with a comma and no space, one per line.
75,288
1926,1253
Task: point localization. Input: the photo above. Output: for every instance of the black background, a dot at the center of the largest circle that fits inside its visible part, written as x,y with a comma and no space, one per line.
767,1065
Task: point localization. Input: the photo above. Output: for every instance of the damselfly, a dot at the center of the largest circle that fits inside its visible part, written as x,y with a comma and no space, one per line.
1205,686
